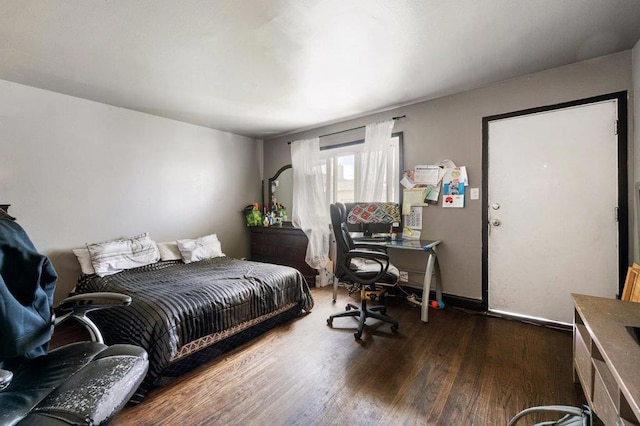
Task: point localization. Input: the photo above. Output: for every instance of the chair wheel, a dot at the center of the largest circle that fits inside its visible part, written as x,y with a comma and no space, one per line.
348,308
330,322
394,328
357,335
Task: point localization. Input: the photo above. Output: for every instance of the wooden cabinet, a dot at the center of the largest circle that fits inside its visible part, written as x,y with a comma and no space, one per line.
607,357
284,245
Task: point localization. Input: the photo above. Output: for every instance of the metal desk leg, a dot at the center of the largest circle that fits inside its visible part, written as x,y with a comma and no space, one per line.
426,284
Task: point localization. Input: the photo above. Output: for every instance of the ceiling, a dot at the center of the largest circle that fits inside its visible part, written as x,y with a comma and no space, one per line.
266,67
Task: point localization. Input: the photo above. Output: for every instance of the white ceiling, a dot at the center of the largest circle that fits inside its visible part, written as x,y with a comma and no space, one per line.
267,67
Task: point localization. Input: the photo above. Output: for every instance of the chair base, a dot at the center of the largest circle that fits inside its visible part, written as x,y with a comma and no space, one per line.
363,312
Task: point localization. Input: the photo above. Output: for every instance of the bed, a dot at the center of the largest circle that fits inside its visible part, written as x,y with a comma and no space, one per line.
186,313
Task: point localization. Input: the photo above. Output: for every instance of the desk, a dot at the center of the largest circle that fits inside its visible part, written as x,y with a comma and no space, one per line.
606,357
432,266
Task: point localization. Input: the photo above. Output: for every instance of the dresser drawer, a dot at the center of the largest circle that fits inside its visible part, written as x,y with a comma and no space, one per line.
264,249
293,240
583,364
292,252
282,246
603,390
262,238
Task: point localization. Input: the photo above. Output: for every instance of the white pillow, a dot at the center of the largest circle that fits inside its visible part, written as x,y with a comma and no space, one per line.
84,258
110,257
206,247
169,251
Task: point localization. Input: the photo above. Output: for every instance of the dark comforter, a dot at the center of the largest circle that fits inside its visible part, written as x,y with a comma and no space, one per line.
176,304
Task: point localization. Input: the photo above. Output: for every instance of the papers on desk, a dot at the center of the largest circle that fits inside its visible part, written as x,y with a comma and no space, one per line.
411,234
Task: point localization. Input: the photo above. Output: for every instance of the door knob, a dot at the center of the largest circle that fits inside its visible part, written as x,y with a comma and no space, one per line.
495,222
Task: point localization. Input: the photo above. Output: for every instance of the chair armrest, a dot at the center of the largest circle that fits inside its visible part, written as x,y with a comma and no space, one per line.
90,301
382,259
77,306
370,246
5,378
367,254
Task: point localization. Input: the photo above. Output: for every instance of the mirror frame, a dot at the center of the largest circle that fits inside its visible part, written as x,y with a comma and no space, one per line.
272,179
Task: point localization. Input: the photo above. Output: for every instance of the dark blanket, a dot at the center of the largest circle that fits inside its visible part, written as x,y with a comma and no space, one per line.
27,283
176,303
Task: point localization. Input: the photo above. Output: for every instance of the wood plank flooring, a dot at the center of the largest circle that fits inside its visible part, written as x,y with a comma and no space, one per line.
460,368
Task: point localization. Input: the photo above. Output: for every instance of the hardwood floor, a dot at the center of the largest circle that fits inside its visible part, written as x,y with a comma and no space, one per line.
459,369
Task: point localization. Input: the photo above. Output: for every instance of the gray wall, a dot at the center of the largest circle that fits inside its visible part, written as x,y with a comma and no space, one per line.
451,128
77,172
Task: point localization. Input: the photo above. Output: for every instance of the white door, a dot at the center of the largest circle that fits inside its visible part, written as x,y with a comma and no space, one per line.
552,200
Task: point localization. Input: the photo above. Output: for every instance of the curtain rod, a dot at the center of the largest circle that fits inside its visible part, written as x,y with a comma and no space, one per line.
348,130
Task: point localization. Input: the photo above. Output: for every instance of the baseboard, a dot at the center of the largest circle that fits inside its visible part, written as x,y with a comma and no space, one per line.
460,302
450,299
476,305
531,320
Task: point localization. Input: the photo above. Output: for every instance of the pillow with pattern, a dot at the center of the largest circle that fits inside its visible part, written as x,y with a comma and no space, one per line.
111,257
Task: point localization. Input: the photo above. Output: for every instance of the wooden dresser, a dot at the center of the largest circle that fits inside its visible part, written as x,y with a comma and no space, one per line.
284,245
607,357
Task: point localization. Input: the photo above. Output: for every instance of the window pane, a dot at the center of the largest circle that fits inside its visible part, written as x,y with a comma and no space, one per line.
345,178
341,171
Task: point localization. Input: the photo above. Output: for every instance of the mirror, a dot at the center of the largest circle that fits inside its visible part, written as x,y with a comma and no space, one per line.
281,188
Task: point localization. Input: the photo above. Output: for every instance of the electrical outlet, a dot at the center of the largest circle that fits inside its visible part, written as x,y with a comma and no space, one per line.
404,276
475,193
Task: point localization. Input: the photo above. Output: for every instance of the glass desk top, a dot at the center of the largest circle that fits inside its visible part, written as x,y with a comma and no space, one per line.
406,243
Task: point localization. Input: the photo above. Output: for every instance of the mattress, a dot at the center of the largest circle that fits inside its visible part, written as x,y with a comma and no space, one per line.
178,309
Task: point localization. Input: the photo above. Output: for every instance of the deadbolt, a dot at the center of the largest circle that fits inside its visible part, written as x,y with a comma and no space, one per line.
495,206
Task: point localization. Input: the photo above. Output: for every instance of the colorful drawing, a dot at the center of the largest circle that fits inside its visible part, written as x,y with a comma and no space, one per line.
453,188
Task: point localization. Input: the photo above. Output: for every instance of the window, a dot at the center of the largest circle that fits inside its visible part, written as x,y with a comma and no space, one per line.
341,170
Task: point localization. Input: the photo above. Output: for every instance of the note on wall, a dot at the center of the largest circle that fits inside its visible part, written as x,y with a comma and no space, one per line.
433,192
413,197
414,219
426,175
407,182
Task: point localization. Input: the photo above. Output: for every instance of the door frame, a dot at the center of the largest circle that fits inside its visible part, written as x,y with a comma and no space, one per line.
623,187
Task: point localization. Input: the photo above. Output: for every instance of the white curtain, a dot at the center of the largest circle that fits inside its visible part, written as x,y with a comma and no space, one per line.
377,149
310,211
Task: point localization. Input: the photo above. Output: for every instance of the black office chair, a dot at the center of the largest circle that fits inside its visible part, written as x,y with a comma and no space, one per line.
362,265
79,383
